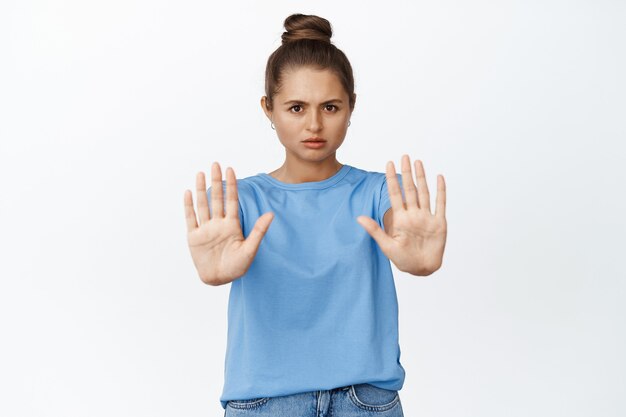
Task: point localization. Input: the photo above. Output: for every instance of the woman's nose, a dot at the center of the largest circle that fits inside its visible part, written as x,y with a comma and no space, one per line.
315,120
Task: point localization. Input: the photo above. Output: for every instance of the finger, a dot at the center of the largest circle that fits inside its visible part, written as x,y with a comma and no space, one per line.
217,199
232,202
376,232
440,209
190,214
423,194
393,188
261,225
203,206
410,191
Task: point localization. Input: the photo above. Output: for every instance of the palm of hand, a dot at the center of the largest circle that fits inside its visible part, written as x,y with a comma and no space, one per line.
414,239
216,242
216,245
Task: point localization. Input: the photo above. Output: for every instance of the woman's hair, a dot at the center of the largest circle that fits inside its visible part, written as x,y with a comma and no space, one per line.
307,43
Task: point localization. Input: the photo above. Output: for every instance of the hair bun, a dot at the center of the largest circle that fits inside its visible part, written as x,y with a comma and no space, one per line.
301,26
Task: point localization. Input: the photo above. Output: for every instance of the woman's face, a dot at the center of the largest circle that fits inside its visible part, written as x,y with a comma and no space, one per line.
311,103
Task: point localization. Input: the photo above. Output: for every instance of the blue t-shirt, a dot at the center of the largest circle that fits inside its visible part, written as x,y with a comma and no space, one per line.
317,309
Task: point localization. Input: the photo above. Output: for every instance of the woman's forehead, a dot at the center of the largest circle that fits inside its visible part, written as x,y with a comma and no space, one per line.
309,84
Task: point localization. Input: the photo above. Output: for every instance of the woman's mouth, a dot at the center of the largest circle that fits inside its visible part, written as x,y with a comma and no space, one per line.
314,144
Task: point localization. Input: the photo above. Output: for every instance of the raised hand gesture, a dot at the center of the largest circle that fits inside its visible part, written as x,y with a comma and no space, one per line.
413,239
217,245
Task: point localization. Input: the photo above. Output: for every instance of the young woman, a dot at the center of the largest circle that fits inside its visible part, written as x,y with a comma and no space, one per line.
313,313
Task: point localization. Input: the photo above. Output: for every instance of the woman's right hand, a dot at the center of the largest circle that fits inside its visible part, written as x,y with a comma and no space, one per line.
217,245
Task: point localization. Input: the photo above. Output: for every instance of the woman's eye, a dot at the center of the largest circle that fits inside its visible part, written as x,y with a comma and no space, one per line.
297,108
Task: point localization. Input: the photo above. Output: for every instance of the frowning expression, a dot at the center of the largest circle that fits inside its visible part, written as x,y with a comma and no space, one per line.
311,103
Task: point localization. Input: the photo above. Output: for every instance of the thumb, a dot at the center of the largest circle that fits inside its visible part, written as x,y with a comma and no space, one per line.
376,232
257,233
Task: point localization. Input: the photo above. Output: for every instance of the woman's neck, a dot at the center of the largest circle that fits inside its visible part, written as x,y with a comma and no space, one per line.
291,173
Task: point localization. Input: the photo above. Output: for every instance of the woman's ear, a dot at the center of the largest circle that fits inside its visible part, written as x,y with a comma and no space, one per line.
267,112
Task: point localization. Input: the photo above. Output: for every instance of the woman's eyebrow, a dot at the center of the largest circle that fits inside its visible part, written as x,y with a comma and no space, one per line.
334,100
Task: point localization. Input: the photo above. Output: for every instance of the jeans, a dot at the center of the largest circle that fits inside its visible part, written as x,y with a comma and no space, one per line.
350,401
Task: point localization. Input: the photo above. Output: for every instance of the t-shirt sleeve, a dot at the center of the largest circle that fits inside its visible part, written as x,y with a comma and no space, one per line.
385,203
239,193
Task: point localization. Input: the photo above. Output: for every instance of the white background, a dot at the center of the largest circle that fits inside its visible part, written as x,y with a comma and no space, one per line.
108,110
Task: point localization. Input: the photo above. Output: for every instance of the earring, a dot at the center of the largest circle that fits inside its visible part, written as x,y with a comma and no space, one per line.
272,125
349,123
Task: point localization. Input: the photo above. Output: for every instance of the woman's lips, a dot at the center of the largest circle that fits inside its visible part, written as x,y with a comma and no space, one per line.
314,144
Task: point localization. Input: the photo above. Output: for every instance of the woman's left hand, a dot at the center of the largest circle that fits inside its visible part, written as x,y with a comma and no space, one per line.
413,239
